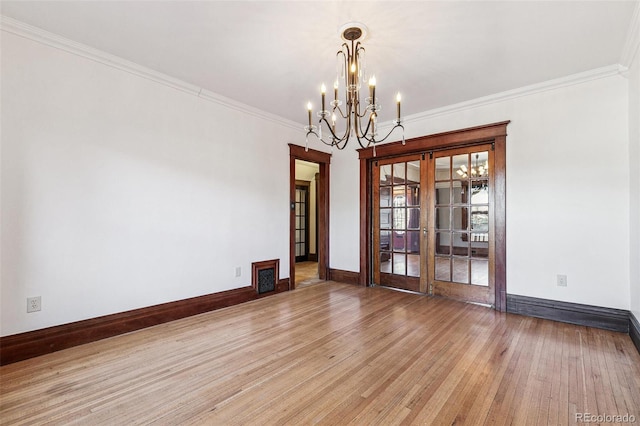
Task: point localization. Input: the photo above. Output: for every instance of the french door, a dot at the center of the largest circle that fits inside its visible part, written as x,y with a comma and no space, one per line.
399,223
433,223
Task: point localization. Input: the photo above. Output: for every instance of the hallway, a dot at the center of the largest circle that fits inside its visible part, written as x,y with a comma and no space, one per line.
307,274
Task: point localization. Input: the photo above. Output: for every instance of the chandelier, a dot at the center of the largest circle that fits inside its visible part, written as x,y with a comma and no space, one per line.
359,120
477,170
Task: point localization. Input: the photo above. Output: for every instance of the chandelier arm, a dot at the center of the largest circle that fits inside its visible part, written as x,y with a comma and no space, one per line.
372,140
360,138
335,143
363,114
358,125
366,109
391,131
337,107
333,135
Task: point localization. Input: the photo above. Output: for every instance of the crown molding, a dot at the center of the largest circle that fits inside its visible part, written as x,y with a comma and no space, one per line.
632,44
554,84
39,35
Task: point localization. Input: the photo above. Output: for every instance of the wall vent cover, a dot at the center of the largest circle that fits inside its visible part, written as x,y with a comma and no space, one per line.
264,275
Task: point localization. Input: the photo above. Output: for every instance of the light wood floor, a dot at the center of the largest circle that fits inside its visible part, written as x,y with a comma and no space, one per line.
306,274
333,354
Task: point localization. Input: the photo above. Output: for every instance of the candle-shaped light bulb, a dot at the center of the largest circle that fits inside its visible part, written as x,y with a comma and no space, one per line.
353,67
309,108
323,91
333,122
372,89
335,91
398,99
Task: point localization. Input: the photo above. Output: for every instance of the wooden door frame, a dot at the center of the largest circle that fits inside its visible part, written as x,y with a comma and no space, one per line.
323,160
495,134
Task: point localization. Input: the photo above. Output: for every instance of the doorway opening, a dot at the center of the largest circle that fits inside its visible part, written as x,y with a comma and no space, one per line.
306,223
309,216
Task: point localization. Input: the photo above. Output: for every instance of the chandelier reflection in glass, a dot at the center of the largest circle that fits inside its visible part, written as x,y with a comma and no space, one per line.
360,121
477,170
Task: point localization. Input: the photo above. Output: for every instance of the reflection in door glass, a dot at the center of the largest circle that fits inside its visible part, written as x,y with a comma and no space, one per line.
398,241
443,268
443,168
413,265
479,272
443,193
399,264
399,173
462,255
385,175
385,197
400,218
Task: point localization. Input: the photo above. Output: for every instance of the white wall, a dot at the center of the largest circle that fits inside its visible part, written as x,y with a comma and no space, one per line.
634,160
344,209
118,192
567,190
115,190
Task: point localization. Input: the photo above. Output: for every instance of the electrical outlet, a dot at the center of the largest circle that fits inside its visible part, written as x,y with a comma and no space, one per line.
34,304
562,280
238,271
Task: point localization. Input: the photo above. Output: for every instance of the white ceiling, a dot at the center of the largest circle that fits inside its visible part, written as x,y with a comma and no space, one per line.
274,55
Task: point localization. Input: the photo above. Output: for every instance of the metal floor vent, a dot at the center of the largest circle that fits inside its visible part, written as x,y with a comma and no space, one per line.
264,275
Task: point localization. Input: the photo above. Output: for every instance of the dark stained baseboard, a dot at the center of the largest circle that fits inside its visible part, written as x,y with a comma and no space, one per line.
22,346
634,330
346,277
573,313
313,257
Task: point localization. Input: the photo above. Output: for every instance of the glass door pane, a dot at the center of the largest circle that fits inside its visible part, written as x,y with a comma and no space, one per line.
397,222
301,213
462,217
461,223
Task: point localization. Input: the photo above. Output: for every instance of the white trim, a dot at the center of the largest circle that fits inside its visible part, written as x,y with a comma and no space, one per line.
632,44
41,36
557,83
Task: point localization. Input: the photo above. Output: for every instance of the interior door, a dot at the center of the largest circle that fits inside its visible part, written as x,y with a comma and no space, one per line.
302,223
433,223
399,223
461,237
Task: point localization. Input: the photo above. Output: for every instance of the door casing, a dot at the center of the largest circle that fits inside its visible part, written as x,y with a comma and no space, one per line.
323,159
494,134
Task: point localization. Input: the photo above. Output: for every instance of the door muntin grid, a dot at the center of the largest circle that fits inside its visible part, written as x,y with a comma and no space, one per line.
301,222
462,218
399,209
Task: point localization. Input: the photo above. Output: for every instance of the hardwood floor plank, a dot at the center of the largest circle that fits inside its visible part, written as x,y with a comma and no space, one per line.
333,354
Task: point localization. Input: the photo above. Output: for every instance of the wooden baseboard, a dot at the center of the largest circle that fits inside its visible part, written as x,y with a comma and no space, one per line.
283,285
313,257
573,313
22,346
347,277
634,330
